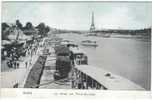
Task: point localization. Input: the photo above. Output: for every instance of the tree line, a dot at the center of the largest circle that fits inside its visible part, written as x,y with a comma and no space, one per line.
29,29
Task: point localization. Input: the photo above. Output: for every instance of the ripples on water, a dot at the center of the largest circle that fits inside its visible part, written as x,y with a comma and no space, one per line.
129,58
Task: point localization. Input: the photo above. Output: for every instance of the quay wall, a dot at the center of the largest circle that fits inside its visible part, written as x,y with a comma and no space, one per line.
34,76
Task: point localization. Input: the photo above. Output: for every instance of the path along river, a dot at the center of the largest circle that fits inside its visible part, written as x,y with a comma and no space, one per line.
129,58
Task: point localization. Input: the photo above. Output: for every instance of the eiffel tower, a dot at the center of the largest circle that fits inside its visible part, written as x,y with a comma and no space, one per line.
92,27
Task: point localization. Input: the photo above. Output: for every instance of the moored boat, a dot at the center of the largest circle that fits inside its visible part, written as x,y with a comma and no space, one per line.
89,43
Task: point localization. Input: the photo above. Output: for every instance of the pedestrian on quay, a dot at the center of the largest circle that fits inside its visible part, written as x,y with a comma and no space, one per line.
34,51
9,64
72,57
28,52
31,61
15,64
31,53
26,64
18,64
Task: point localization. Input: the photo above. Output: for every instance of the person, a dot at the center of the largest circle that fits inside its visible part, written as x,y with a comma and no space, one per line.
72,57
78,59
26,64
30,61
9,64
31,52
28,52
17,64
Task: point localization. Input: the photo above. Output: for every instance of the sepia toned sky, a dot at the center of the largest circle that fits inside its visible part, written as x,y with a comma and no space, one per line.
77,15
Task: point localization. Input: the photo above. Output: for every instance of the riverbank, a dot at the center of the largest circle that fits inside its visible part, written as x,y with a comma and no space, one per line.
18,76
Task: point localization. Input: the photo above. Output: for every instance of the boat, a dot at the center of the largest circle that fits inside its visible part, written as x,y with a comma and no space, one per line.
107,35
89,43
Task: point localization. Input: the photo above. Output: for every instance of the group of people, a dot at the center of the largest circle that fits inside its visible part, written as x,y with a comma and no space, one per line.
30,51
13,61
13,64
14,55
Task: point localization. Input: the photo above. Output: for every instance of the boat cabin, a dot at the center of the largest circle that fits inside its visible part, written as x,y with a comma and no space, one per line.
68,43
79,56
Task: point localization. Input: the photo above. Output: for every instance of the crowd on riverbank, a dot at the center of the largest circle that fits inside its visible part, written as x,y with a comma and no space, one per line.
19,51
17,76
19,41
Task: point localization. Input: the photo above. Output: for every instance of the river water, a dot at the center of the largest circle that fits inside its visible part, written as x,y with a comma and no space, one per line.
129,58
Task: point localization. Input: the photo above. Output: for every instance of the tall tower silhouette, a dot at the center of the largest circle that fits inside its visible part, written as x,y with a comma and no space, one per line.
92,27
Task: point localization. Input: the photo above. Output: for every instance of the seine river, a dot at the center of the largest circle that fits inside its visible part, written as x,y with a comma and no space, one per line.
129,58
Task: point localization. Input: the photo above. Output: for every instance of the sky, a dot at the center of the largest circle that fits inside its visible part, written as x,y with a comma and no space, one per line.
77,15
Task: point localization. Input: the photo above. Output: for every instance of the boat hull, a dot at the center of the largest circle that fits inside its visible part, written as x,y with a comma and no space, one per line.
92,45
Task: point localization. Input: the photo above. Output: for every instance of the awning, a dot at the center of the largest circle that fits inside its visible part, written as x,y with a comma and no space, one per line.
77,50
62,50
114,82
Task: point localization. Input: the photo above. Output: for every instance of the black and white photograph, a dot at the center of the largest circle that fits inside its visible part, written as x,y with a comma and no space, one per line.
76,45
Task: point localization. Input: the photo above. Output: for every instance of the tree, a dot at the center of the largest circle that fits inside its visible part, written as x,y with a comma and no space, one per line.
4,26
41,29
28,25
47,29
41,26
5,31
18,24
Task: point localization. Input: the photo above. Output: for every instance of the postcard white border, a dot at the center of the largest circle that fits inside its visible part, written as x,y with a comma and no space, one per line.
62,94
